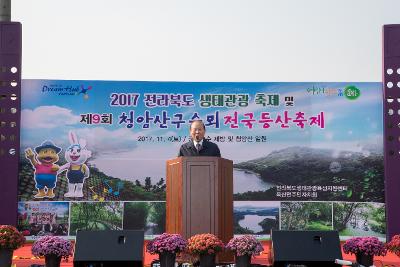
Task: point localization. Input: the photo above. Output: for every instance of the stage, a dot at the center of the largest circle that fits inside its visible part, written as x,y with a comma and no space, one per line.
24,258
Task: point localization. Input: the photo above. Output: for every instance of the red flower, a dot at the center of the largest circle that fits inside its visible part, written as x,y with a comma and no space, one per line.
365,245
10,237
204,244
394,245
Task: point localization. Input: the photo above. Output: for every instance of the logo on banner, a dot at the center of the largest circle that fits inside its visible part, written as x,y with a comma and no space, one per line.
67,90
85,91
350,92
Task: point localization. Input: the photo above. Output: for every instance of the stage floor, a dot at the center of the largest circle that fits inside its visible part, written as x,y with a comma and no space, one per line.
24,258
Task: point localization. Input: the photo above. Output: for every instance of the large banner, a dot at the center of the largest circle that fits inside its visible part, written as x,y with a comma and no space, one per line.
306,155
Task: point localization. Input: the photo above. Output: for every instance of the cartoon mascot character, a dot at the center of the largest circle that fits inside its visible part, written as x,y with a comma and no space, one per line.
77,171
45,169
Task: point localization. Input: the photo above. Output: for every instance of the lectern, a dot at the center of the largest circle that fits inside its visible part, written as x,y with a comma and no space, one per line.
200,198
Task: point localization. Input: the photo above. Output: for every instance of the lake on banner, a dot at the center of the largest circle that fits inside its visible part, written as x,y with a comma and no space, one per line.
251,222
244,181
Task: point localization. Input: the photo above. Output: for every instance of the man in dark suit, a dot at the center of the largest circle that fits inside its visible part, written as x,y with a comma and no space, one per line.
198,146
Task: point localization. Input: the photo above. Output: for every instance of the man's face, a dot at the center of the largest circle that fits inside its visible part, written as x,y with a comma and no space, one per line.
197,131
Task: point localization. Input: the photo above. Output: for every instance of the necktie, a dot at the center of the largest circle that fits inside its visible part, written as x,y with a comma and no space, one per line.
198,147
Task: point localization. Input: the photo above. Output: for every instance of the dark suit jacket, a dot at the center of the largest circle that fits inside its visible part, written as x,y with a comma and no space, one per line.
208,149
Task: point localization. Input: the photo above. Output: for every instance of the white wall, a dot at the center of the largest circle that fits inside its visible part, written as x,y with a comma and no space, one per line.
208,40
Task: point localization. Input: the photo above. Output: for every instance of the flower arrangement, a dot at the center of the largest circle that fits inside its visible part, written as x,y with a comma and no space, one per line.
204,244
26,232
173,243
52,245
394,245
245,245
365,245
10,237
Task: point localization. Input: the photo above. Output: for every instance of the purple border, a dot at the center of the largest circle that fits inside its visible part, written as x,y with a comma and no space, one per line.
10,85
391,98
10,56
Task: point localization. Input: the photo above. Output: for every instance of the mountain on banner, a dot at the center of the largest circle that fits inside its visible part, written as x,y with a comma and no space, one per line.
335,176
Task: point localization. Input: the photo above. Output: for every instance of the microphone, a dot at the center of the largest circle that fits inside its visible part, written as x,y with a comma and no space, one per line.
343,262
349,263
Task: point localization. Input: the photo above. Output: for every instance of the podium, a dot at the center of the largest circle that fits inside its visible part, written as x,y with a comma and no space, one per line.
200,198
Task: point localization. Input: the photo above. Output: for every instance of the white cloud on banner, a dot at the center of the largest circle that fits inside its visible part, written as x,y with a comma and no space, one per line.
47,117
109,141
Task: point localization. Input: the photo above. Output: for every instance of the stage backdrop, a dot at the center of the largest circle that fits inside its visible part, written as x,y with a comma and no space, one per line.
306,155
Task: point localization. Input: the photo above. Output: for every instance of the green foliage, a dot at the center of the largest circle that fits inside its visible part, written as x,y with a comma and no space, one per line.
373,216
147,184
377,227
131,191
269,224
135,215
95,216
342,213
158,216
321,226
238,230
378,220
346,232
378,214
302,215
269,194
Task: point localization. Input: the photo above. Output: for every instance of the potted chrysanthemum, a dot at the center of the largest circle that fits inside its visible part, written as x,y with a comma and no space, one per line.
244,247
10,240
394,245
166,246
365,248
52,248
206,246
